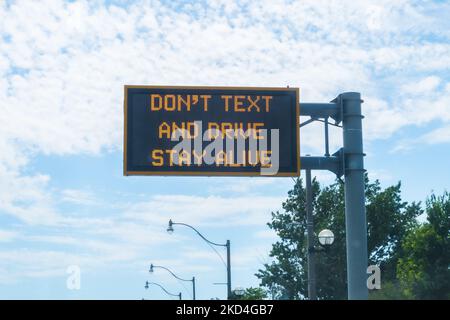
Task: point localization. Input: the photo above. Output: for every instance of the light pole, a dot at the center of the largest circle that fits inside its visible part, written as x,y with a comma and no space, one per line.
348,162
167,292
312,294
326,239
152,266
227,245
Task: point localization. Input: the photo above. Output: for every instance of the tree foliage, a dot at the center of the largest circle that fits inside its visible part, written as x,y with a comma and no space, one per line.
424,267
389,220
254,294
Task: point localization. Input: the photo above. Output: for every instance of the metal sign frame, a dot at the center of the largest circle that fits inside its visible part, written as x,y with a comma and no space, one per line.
127,172
348,162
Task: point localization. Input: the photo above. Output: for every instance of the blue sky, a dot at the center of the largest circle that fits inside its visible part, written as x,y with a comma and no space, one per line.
63,199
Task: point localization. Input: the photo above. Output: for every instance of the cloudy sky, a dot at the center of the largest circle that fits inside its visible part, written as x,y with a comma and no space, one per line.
63,64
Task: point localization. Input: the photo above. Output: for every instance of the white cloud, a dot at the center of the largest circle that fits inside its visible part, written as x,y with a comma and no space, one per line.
437,136
81,197
381,119
424,86
266,234
23,263
205,210
91,247
254,256
382,175
248,186
26,198
7,236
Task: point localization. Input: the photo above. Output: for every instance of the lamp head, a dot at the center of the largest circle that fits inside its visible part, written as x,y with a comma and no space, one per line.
151,268
170,227
326,237
239,291
146,285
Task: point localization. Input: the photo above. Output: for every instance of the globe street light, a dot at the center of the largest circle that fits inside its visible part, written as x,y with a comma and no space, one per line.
326,237
152,266
227,245
167,292
239,292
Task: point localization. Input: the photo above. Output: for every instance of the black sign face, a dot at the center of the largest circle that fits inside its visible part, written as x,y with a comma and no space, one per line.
211,131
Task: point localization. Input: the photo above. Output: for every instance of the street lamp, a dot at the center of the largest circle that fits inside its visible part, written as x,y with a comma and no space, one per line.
170,227
167,292
239,292
152,266
326,237
227,245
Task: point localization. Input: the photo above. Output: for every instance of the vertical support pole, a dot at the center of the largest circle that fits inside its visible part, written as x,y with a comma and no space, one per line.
327,144
193,288
228,270
355,210
179,295
312,294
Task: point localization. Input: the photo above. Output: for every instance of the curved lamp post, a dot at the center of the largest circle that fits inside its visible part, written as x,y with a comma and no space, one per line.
167,292
227,245
152,266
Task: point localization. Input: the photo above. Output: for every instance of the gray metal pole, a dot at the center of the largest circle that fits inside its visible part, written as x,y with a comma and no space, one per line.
320,110
193,288
355,210
312,294
228,270
327,144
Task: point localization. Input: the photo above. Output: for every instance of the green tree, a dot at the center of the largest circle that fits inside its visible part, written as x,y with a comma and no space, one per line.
253,294
285,276
390,290
388,217
423,269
